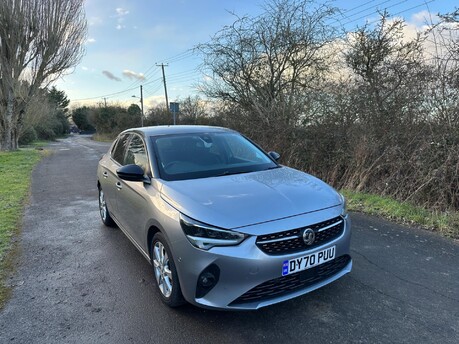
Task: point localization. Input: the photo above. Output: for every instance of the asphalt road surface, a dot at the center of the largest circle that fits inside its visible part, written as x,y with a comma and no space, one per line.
80,282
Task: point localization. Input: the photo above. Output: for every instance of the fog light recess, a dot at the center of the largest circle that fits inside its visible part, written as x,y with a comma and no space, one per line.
207,280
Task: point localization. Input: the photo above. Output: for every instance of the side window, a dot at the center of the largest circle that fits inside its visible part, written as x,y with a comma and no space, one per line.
136,153
120,149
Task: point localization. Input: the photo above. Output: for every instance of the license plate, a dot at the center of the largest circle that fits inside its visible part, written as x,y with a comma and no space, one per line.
303,263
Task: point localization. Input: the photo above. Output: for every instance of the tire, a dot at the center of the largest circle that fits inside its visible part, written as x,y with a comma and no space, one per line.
165,273
103,210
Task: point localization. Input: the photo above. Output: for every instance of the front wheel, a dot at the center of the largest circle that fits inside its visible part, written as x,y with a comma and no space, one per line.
165,272
103,210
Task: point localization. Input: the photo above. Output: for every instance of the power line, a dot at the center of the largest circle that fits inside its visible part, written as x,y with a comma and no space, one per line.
376,6
151,92
181,79
183,75
106,95
412,8
112,94
371,13
179,57
376,12
146,76
359,6
151,72
157,83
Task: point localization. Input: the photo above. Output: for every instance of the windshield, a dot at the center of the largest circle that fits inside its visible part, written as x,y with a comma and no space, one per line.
201,155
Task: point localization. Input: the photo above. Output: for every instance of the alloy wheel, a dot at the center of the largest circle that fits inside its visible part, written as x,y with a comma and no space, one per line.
162,269
102,205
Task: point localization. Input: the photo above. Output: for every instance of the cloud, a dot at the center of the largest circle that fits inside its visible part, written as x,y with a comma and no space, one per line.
91,40
154,101
423,18
120,14
110,75
121,11
88,69
133,75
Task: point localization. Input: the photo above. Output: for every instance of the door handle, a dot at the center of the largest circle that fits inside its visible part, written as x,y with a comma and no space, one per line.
119,186
105,174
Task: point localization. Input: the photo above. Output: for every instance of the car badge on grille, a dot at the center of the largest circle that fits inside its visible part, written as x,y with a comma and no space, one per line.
309,236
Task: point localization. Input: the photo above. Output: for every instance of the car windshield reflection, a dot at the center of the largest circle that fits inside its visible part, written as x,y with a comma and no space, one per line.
191,156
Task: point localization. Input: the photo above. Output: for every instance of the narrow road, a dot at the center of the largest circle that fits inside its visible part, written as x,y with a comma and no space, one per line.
80,282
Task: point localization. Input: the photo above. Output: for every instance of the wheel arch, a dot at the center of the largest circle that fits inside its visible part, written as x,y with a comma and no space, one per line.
152,230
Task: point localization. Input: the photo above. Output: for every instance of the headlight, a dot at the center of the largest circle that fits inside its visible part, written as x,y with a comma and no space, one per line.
344,203
205,237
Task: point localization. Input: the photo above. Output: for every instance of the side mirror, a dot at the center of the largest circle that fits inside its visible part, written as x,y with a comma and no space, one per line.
274,155
132,173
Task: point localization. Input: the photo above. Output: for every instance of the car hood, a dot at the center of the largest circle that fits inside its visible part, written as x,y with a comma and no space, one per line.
246,199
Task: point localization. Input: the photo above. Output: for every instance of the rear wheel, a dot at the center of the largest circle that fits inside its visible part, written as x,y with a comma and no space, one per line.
103,210
165,272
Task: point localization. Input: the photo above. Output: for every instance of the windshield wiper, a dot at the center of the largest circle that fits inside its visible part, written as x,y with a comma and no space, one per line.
228,173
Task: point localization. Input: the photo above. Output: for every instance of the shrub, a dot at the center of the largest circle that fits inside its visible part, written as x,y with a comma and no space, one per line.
28,136
45,133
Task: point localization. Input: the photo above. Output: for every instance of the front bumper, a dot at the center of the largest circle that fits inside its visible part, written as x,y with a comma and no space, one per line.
246,270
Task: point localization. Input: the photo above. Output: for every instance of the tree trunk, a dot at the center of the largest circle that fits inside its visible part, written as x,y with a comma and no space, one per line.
39,40
9,137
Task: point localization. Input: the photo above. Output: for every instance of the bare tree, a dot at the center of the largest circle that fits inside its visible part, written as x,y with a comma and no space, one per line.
443,98
192,109
39,40
266,63
450,23
387,66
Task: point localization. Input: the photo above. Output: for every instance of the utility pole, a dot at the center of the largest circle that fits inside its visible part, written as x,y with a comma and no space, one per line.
105,101
165,87
141,105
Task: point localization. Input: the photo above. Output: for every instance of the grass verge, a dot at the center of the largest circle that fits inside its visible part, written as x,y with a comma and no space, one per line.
38,145
447,223
15,177
103,137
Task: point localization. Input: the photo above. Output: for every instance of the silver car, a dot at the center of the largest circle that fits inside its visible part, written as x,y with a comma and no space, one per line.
223,224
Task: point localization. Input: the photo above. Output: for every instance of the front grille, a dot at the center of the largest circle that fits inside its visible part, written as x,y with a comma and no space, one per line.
287,284
291,241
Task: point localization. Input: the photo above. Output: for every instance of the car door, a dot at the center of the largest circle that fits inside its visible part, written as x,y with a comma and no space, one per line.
132,197
110,180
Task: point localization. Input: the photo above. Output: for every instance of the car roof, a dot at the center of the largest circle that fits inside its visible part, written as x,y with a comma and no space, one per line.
177,129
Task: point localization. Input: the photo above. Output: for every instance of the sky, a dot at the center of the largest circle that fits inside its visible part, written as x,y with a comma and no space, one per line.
128,39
